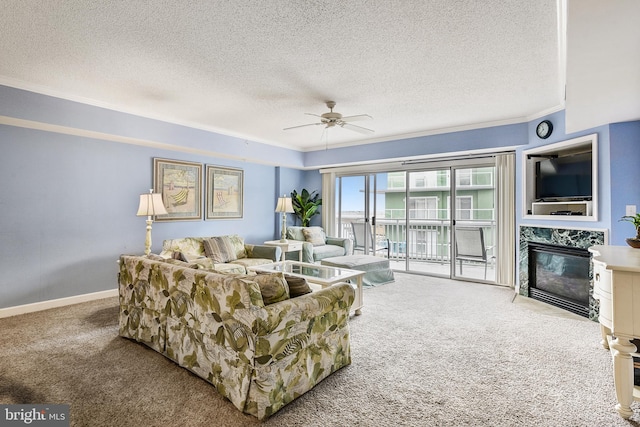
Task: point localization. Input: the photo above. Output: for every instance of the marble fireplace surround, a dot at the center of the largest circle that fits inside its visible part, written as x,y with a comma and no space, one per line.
574,238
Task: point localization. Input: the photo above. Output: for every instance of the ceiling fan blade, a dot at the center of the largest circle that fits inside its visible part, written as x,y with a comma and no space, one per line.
356,128
356,118
301,126
311,114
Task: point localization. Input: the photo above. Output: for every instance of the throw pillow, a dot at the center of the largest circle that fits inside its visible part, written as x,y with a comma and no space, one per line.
179,256
297,286
155,257
220,249
203,263
314,235
272,286
180,263
238,245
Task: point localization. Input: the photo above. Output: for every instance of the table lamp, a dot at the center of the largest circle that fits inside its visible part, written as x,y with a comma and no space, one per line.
151,204
284,205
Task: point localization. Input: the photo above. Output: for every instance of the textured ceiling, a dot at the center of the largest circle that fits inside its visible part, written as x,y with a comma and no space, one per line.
251,68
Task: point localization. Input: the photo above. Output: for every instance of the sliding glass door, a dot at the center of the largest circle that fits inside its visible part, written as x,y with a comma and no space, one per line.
359,207
430,220
474,226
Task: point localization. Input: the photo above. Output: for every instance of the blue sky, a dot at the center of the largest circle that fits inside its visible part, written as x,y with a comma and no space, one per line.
353,192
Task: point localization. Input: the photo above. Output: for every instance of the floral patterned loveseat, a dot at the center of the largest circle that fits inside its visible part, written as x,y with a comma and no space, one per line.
259,356
224,254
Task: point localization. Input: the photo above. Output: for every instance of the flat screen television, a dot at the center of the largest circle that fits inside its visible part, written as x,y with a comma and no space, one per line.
564,178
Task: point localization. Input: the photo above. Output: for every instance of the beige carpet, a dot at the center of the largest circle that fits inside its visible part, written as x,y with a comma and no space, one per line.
426,352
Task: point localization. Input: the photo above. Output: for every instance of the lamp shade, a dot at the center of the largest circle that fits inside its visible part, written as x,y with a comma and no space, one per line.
151,204
284,205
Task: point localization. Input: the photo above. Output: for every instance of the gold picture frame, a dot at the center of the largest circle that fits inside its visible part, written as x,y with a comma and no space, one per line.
224,192
180,184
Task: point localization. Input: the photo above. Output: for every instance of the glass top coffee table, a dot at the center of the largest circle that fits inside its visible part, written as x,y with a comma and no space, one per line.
320,275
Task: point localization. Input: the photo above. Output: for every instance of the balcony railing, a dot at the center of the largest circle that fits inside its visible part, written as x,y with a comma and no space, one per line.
428,240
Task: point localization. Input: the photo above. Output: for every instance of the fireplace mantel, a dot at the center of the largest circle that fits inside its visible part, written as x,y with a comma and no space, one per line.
569,237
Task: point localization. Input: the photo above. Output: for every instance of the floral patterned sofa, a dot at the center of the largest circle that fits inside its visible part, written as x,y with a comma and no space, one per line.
317,245
260,356
224,254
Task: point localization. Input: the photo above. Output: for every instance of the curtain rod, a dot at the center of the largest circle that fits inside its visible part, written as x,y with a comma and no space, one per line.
401,164
453,158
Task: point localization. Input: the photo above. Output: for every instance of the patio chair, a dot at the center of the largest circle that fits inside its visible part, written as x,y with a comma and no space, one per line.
470,246
359,239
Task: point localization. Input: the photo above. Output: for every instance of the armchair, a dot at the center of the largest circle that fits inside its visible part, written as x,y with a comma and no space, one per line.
317,245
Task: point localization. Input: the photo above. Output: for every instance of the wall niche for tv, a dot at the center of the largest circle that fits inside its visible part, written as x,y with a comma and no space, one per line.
561,180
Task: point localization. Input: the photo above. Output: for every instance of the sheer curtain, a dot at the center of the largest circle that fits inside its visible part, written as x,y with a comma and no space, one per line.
328,203
506,219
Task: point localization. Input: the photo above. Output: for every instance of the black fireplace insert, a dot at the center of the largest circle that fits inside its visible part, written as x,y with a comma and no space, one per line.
559,275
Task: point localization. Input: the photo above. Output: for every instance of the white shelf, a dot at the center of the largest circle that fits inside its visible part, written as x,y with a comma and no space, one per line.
544,210
549,208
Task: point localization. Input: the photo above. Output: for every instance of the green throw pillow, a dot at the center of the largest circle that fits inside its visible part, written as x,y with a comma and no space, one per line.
297,286
272,286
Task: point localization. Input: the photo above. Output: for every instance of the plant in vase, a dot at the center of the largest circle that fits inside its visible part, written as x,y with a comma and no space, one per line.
305,205
635,220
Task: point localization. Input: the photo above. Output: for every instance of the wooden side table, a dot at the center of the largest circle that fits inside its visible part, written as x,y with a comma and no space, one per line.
288,246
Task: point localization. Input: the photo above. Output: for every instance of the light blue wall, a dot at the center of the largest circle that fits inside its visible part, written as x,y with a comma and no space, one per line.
604,177
496,138
288,180
625,177
618,175
26,105
68,202
295,179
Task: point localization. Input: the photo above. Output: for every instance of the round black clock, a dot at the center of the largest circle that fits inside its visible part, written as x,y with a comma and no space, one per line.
544,129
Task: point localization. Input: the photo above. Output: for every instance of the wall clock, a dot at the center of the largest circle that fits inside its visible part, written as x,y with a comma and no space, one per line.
544,129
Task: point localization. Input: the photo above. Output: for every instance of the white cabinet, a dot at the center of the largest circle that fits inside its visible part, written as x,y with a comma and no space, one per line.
616,284
602,292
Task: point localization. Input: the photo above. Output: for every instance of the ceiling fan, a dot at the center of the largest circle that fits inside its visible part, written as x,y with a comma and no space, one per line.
332,119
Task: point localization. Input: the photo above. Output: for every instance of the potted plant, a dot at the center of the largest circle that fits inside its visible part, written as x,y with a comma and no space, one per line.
305,205
634,242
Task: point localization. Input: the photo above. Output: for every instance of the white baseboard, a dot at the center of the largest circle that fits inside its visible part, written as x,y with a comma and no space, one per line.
60,302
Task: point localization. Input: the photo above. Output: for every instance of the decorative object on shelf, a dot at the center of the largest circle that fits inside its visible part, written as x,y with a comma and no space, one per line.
224,192
180,184
305,205
634,242
544,129
284,205
151,204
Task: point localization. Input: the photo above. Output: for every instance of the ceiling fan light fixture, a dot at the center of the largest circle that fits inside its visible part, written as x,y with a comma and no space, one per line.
332,119
332,116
